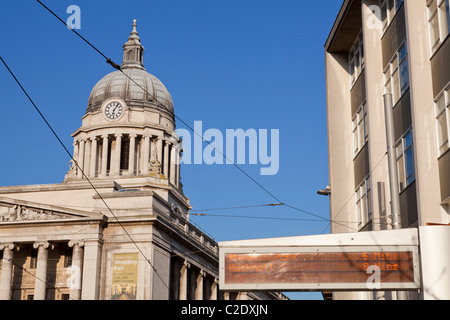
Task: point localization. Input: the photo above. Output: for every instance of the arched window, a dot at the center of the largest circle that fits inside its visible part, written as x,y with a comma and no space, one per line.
130,55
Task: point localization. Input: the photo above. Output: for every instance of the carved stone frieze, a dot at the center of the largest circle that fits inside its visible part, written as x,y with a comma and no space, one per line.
14,213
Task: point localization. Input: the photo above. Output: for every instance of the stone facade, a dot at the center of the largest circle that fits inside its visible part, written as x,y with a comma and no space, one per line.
118,226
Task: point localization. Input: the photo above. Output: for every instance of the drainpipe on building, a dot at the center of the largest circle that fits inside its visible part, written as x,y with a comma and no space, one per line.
392,162
393,174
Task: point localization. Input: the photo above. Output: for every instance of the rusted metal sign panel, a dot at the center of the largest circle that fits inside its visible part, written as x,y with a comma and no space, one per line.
309,268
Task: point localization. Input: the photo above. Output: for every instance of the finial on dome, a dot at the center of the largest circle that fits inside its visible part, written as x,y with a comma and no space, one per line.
133,50
134,27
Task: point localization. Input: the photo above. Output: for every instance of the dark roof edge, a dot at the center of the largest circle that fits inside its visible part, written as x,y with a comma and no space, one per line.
337,23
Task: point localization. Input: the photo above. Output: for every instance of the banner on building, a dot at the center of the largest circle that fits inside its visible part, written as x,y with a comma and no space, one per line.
124,276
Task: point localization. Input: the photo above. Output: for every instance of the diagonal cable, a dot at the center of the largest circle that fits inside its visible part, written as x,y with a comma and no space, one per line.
76,163
116,66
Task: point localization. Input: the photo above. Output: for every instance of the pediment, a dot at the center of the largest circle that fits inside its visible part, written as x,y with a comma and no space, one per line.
14,210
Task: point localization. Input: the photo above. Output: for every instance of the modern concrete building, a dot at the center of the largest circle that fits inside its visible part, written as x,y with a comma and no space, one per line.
118,226
401,48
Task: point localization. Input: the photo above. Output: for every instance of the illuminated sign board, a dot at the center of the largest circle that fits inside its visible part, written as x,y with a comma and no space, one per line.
319,268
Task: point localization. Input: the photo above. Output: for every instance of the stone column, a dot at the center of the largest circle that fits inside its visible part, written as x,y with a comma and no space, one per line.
91,269
172,164
93,163
178,159
7,269
81,159
184,280
40,284
116,158
199,287
131,159
104,169
214,287
75,156
159,148
165,164
77,269
87,157
146,154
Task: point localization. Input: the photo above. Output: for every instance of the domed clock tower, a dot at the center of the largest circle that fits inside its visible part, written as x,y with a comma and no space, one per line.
127,134
130,237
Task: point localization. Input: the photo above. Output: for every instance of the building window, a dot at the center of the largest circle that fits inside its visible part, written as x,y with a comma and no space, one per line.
438,22
356,59
405,161
33,259
68,257
124,154
442,110
363,204
388,10
396,74
360,130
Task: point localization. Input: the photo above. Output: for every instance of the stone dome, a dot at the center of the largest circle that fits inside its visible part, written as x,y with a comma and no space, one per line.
117,84
129,82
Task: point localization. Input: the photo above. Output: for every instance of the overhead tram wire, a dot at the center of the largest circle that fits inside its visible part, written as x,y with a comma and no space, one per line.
83,174
116,66
253,217
242,207
368,175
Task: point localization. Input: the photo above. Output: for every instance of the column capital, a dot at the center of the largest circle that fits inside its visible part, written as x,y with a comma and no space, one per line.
44,244
93,138
118,135
186,264
104,136
79,243
8,245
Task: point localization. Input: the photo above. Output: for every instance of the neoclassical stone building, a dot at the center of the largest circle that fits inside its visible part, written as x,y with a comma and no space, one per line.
118,226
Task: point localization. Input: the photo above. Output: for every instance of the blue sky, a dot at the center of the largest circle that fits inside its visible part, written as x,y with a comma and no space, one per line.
230,64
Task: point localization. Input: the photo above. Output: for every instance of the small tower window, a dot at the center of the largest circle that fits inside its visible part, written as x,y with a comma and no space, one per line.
125,154
130,55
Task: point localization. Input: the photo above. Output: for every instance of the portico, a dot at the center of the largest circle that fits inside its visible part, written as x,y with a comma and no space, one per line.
74,255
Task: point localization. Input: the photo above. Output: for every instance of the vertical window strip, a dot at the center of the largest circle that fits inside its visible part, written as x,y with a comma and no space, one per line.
356,59
442,112
389,9
396,74
443,19
363,204
438,22
360,131
447,9
405,160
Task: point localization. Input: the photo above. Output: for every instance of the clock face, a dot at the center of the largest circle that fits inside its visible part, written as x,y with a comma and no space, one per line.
114,110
